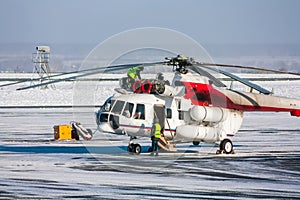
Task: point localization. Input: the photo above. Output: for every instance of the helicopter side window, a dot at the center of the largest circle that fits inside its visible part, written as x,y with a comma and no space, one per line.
128,110
139,111
180,115
118,107
180,112
169,113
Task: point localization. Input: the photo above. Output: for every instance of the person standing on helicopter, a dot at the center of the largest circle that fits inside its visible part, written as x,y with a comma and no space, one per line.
133,73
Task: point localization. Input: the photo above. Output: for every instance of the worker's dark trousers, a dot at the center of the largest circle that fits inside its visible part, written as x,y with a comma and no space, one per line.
155,145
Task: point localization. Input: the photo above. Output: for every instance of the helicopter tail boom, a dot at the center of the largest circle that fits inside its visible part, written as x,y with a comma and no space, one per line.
206,95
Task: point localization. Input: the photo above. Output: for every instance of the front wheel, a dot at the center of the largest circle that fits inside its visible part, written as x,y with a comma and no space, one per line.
137,148
226,146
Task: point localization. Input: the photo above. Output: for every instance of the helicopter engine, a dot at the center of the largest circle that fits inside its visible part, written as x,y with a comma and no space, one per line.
148,86
205,124
208,114
187,133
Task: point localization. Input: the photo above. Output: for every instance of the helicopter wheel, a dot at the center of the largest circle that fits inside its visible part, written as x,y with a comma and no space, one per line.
226,147
196,143
137,149
134,148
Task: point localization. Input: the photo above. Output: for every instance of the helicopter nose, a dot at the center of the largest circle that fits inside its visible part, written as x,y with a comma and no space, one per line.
107,122
105,127
102,118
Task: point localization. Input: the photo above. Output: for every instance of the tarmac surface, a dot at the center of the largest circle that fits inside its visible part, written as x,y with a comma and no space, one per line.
34,166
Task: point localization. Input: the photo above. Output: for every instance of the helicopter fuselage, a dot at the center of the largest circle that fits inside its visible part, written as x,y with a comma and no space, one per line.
190,109
133,114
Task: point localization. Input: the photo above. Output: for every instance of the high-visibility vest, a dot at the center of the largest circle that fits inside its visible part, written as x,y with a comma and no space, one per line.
132,72
157,131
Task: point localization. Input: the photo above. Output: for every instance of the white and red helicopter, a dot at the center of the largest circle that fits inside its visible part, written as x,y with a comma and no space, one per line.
192,106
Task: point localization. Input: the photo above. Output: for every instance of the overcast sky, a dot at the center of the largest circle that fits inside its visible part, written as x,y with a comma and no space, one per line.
207,21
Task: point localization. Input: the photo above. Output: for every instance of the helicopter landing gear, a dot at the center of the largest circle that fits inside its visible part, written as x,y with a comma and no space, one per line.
196,143
134,148
226,147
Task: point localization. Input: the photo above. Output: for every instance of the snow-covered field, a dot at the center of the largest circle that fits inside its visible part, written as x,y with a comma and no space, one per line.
34,166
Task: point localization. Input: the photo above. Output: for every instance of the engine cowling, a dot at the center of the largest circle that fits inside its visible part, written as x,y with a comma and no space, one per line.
168,91
208,114
148,86
189,133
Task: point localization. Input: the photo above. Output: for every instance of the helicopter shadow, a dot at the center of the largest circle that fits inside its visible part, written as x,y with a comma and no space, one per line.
45,149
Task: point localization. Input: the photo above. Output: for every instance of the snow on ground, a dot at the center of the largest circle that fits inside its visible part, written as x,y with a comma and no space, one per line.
34,166
63,92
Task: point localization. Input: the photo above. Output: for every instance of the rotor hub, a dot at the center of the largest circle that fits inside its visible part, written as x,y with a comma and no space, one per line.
180,63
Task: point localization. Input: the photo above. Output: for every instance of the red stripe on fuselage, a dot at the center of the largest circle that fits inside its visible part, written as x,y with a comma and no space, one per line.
205,94
145,128
132,126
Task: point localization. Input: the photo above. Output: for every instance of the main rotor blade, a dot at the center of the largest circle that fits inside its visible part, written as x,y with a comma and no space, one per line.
56,81
36,79
200,71
244,81
248,67
13,83
94,71
85,70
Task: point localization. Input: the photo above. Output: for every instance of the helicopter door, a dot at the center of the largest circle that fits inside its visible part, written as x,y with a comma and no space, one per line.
159,112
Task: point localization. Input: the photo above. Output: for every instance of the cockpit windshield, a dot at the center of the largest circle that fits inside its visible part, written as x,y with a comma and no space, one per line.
126,109
118,107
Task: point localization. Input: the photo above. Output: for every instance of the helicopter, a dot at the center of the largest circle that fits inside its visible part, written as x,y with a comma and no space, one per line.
192,105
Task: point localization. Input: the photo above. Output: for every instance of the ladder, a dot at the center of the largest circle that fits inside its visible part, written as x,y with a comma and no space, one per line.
166,145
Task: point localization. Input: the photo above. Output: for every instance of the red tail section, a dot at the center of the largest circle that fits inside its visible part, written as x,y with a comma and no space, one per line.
205,94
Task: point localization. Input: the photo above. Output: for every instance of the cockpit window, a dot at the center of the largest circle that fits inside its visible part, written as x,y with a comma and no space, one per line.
128,110
139,111
118,107
107,106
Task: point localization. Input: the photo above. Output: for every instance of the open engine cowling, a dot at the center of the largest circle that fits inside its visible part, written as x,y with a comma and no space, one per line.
148,86
208,114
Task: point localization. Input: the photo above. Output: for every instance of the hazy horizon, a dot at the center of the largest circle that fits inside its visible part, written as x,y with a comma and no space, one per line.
67,57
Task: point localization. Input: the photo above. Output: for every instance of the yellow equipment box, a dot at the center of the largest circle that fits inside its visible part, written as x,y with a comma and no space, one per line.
63,132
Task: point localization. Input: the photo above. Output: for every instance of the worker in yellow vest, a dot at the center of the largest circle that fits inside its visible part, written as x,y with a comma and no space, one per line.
134,73
155,136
